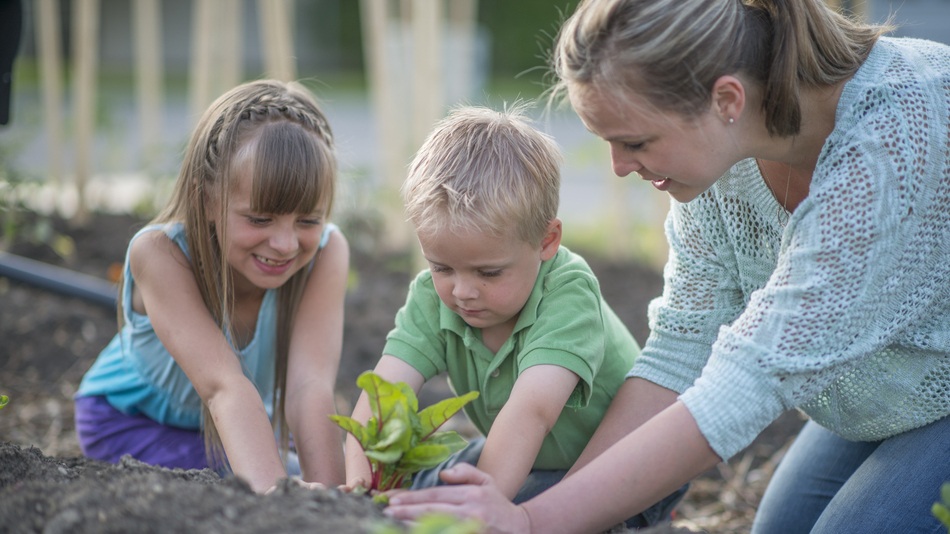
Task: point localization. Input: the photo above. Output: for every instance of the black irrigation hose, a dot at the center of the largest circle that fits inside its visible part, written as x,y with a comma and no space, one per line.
58,279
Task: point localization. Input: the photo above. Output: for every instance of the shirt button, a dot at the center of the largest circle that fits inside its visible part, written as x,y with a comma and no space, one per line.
495,373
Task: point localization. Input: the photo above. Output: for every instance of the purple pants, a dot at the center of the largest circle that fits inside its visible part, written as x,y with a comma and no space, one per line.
107,434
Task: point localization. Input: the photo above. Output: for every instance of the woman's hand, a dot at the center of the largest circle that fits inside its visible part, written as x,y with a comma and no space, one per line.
472,493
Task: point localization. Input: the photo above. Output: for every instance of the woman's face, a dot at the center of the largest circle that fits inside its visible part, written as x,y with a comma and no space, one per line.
682,157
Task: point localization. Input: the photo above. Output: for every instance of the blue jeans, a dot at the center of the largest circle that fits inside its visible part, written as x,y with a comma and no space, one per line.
826,484
538,481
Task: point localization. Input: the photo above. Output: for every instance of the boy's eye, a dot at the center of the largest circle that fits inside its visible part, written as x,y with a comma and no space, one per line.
490,274
438,268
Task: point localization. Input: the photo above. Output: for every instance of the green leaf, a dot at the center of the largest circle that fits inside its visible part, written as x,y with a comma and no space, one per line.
436,415
4,400
352,426
942,510
423,456
942,513
397,439
448,438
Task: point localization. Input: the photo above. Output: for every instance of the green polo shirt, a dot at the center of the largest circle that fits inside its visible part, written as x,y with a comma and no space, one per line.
565,322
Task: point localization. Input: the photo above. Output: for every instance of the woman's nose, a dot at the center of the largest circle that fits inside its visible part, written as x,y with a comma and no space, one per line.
622,162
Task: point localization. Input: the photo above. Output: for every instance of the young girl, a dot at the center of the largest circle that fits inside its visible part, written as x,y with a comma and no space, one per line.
231,304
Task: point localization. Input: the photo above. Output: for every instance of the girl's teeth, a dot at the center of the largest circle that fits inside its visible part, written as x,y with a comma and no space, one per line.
269,261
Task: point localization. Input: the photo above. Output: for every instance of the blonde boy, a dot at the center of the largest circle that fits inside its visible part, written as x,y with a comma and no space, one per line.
503,308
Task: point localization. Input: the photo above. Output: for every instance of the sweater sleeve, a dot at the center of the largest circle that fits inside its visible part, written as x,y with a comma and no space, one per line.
699,295
860,268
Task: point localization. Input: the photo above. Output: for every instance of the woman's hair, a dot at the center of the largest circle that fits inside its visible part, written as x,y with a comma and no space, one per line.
277,130
486,170
671,52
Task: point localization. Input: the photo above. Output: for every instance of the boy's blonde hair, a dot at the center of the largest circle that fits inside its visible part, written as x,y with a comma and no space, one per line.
277,130
485,170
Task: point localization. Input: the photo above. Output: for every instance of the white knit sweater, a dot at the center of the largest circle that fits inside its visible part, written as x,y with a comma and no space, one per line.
845,313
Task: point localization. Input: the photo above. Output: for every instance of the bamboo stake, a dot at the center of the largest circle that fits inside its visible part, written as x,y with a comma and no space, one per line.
427,83
51,78
201,56
231,57
387,90
149,75
277,36
86,50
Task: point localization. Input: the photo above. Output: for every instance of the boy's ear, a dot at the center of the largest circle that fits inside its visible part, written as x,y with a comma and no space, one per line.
551,240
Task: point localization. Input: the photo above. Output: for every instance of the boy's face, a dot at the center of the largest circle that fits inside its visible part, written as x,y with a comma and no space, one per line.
486,280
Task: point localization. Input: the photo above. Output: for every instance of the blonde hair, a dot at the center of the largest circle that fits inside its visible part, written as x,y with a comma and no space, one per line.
672,51
486,170
279,131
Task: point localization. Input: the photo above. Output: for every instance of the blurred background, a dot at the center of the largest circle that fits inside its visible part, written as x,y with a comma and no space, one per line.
102,95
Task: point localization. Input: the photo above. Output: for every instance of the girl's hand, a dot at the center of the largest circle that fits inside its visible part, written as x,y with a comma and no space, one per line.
299,482
472,494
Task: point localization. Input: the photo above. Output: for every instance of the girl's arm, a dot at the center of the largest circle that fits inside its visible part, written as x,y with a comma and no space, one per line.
532,409
636,402
639,470
188,331
313,362
391,369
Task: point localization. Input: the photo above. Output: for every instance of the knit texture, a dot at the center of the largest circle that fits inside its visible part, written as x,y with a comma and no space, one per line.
844,313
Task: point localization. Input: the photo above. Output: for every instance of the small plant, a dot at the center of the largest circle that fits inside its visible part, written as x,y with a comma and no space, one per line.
3,401
399,440
941,510
436,523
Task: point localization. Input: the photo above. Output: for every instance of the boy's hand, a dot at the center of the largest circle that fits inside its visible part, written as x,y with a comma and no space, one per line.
357,486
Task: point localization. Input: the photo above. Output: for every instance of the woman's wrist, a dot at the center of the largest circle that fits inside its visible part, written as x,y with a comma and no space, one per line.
525,526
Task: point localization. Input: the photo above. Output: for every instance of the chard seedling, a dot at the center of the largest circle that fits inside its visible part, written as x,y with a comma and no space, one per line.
941,510
399,440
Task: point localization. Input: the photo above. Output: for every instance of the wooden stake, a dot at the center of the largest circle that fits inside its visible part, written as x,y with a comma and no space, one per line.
85,45
149,75
51,80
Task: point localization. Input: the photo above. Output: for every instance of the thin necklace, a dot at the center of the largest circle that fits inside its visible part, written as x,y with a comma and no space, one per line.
782,211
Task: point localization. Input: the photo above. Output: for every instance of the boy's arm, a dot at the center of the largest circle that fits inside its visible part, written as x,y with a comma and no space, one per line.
391,369
515,438
313,362
635,403
189,333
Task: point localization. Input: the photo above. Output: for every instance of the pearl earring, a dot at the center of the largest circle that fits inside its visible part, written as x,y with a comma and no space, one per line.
731,120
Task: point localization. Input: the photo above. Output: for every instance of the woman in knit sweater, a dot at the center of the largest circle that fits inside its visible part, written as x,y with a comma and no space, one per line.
808,157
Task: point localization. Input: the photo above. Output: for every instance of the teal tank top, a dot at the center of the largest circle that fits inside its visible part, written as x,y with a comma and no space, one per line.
137,375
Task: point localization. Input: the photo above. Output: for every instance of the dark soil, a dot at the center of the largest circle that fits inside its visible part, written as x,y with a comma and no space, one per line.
49,339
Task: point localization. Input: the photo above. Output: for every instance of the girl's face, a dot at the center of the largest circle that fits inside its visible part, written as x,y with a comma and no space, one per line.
266,249
681,157
486,280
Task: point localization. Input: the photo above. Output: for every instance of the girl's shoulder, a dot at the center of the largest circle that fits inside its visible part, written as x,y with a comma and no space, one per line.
155,242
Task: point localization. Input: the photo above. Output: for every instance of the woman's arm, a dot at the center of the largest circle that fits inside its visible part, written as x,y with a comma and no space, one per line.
636,402
639,470
391,369
187,330
313,363
516,435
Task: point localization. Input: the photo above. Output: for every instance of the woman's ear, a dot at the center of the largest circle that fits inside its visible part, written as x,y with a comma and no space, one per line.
551,241
728,98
